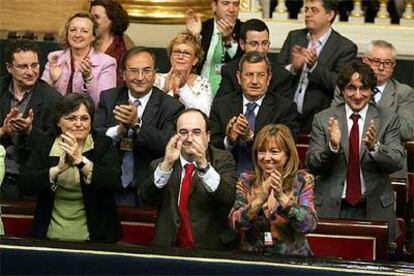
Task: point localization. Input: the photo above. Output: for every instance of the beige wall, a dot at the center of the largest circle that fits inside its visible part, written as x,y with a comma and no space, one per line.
37,15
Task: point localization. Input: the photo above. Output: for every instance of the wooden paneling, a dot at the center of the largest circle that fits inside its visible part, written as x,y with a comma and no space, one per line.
38,15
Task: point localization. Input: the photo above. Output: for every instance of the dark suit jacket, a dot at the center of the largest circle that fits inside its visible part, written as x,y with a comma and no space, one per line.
331,167
157,125
206,34
337,51
275,109
208,211
98,196
43,101
281,82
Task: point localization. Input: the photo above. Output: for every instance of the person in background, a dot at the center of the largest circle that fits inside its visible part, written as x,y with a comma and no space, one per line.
254,36
79,68
354,148
219,38
113,21
274,206
26,107
75,173
314,55
237,117
192,90
192,186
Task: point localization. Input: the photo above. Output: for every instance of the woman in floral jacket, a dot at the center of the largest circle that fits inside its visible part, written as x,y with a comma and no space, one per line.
274,206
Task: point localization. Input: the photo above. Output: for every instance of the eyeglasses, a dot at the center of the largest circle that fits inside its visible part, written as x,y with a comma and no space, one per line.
377,62
185,54
73,119
185,132
264,43
352,88
136,71
26,67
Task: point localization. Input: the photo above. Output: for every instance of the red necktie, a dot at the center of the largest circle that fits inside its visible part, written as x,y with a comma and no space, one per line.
353,180
184,235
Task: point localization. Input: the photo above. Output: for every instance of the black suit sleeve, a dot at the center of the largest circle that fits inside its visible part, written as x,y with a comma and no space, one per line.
155,137
225,194
101,115
148,193
217,126
226,84
324,76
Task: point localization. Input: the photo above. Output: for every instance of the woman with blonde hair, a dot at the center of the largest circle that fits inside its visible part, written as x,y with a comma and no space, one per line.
274,206
79,68
181,82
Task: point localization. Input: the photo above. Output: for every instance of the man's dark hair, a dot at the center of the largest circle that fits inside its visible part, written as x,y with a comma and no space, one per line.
134,51
254,57
70,103
252,25
366,75
330,5
188,110
20,45
116,13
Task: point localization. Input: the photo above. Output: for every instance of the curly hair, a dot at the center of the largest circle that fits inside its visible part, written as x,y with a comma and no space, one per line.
116,13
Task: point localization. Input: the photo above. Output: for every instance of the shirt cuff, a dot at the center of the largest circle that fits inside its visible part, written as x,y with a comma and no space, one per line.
113,133
332,149
161,177
210,179
232,50
289,67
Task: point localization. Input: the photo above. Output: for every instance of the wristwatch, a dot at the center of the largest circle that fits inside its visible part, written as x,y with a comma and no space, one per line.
205,169
81,164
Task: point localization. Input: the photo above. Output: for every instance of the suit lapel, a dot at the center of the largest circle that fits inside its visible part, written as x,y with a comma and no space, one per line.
388,96
329,48
340,115
265,112
152,107
36,102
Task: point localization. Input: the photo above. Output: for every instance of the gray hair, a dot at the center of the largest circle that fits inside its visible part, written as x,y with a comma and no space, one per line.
254,57
382,44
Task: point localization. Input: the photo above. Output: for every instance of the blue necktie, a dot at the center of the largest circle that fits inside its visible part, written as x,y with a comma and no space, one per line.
128,160
377,95
245,157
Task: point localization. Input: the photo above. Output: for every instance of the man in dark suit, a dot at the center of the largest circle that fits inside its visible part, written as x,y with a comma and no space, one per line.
237,117
193,187
219,36
354,147
254,36
139,118
26,106
314,55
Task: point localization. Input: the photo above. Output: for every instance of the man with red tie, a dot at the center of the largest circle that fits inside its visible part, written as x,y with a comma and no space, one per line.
354,147
193,187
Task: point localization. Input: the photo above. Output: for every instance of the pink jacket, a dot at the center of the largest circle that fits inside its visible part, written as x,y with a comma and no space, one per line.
103,71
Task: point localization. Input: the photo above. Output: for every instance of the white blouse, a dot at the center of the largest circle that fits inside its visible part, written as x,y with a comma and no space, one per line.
198,95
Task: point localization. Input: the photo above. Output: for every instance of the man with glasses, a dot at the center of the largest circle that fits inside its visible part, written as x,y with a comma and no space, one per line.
26,106
139,118
219,38
237,117
193,187
254,36
354,147
314,56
